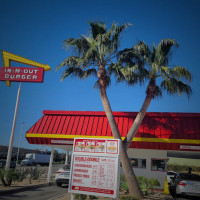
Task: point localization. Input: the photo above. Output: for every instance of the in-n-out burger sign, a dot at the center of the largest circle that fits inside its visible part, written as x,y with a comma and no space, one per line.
22,74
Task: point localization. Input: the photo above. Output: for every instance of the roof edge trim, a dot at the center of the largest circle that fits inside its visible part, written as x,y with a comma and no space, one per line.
124,114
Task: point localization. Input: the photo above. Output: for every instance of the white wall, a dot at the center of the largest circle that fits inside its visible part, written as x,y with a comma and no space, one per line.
148,155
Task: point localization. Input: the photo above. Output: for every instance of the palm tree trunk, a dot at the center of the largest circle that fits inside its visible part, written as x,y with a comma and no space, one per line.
131,179
133,185
138,120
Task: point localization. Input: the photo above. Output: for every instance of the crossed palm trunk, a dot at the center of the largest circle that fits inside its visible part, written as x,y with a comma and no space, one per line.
134,65
134,188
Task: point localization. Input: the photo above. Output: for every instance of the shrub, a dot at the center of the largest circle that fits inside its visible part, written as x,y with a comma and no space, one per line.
147,183
7,176
123,186
22,174
123,197
35,173
80,196
92,197
182,168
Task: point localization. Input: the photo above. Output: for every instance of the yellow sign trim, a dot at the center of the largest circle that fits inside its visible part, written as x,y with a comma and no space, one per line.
136,139
8,57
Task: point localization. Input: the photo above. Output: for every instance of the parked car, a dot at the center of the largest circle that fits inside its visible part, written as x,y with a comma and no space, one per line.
3,164
185,184
63,175
170,176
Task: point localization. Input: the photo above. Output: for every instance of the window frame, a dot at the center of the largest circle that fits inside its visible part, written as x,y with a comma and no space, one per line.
161,159
137,160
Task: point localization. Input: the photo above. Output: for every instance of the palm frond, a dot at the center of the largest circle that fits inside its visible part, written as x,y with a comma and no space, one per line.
165,45
89,72
181,73
157,92
78,72
116,70
79,45
128,56
73,71
97,27
165,72
173,86
163,51
116,35
142,49
72,61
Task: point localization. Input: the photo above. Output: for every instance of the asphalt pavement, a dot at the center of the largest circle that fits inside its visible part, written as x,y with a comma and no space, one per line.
42,192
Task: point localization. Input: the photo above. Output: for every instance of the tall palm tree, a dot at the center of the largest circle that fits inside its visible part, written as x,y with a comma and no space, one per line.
152,64
94,55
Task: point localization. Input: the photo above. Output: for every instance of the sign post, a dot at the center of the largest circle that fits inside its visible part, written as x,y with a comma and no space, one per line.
19,74
95,167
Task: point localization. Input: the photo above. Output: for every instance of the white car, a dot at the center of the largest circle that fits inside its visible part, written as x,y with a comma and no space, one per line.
170,176
63,175
185,184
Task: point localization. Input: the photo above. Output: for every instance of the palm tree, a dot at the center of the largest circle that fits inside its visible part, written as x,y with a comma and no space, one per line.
94,55
152,64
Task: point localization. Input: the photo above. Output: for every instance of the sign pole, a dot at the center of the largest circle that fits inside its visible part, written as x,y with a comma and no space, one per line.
13,129
19,142
19,74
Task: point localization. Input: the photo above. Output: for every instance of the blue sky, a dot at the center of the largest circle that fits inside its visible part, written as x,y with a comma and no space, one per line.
35,29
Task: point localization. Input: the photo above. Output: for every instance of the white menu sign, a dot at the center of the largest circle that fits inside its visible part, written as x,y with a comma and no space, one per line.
95,171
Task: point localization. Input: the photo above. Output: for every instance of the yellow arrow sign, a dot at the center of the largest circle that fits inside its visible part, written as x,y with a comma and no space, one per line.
7,57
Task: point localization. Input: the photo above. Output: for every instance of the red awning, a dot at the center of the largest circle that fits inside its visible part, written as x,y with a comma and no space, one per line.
167,131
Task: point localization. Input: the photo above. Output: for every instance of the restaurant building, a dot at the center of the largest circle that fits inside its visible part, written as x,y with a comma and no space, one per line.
160,135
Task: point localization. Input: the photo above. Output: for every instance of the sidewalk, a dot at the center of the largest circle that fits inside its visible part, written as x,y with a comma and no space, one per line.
26,185
155,196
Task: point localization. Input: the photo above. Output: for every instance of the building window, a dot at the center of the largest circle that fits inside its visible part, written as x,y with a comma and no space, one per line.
138,163
158,164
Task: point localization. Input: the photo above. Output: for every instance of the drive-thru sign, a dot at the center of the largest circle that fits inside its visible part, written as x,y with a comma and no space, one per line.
95,167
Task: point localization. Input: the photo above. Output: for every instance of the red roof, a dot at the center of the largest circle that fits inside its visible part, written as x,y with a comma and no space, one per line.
169,131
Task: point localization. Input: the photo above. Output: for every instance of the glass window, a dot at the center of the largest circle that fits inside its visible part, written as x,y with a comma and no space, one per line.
138,163
158,165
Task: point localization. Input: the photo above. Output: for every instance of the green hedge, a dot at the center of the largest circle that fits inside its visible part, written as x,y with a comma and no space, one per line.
182,168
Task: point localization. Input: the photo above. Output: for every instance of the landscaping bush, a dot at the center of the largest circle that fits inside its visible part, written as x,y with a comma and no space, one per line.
22,174
83,197
35,173
123,186
92,197
7,176
80,196
182,168
147,183
123,197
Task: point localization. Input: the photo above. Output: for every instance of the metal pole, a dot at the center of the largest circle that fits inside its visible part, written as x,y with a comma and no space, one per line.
66,158
13,130
50,166
19,142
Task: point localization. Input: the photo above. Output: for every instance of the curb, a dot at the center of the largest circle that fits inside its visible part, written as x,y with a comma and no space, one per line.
25,188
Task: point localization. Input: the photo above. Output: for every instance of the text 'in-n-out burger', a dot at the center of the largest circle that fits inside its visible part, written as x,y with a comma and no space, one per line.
22,74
